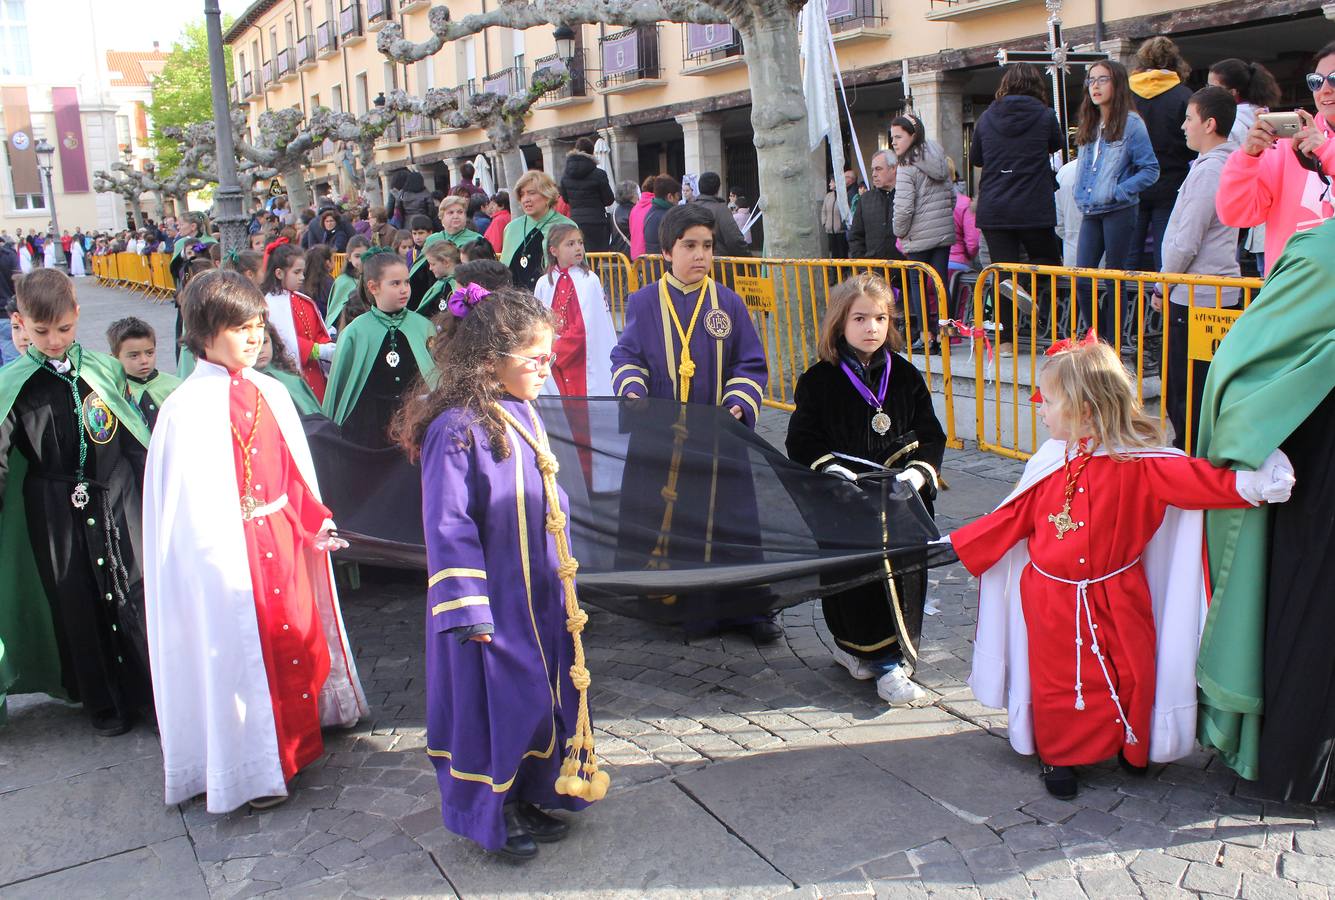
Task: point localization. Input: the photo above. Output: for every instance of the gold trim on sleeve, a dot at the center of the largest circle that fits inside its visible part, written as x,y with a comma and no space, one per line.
448,605
454,573
822,461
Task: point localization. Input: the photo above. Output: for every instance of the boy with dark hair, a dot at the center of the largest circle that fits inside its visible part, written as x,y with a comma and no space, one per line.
667,191
72,451
419,274
498,208
134,343
250,657
690,339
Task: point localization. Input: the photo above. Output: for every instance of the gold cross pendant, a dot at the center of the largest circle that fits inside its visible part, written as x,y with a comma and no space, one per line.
1063,522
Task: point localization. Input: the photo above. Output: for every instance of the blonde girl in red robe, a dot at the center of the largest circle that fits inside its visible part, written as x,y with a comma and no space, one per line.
585,335
1092,594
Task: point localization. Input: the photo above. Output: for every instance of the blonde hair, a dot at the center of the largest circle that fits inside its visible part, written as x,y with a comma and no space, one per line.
451,200
533,180
1096,390
438,249
841,301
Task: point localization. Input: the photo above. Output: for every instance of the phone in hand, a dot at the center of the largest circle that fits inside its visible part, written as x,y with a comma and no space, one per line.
1286,124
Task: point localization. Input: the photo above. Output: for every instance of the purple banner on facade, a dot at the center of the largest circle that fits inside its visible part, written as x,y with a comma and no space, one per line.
838,9
703,38
69,140
621,55
497,84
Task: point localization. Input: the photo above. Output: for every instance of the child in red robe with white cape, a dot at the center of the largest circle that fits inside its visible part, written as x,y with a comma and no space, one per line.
248,651
1092,590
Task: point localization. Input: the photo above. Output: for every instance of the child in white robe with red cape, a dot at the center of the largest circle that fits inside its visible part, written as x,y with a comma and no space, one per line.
248,651
1092,590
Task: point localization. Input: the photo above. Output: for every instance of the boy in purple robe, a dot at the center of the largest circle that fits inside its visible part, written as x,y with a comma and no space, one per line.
688,338
505,681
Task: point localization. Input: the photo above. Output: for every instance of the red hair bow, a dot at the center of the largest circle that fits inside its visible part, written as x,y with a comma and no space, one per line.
1062,346
272,246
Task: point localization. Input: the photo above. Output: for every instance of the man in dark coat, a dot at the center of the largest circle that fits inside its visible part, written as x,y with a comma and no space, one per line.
585,187
728,240
872,235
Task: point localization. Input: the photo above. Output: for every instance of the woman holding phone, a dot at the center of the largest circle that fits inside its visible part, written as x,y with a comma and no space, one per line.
1283,182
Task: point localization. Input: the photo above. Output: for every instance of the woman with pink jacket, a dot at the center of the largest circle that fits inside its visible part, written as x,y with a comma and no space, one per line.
1285,183
637,214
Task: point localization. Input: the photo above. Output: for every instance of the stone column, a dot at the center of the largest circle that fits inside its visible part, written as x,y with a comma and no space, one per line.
554,155
624,145
703,133
938,99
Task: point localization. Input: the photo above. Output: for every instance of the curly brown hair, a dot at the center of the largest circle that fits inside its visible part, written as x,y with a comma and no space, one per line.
509,320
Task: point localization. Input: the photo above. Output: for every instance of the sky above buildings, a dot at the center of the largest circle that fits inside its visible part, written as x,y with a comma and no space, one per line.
136,24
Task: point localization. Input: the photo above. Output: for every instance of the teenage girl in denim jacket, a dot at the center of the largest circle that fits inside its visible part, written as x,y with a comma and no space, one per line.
1116,163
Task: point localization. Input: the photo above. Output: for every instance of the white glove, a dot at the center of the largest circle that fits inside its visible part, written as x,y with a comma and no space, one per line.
943,539
1271,483
839,470
327,352
913,476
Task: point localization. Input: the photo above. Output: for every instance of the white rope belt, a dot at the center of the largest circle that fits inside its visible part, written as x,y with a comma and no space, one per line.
1082,604
272,507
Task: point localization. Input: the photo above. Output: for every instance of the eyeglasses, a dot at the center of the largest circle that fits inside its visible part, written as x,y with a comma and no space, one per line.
1098,80
534,363
1315,81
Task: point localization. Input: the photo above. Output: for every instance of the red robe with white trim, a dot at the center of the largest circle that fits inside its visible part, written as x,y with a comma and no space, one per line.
296,654
308,332
1120,506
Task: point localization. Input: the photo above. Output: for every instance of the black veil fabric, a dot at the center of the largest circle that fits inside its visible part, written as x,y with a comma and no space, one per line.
679,513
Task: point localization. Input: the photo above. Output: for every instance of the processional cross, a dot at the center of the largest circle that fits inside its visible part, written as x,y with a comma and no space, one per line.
1058,57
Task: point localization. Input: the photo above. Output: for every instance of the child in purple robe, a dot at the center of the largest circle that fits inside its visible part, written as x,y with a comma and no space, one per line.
688,338
505,681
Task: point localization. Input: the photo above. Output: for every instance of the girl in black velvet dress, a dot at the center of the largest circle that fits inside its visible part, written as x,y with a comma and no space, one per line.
861,410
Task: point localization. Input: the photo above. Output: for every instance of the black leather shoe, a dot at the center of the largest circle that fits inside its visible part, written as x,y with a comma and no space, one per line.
519,844
544,828
110,724
1129,768
1060,781
766,631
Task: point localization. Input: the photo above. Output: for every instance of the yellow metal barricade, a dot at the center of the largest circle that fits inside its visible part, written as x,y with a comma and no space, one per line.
1020,310
787,300
619,281
160,267
339,260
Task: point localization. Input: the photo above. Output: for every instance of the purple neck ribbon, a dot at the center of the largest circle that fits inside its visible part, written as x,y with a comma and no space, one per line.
876,400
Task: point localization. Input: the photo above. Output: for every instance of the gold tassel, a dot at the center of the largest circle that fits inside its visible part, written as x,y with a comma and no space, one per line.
580,775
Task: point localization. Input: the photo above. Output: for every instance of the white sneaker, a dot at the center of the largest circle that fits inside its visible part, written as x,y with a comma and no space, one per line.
895,688
858,668
1017,295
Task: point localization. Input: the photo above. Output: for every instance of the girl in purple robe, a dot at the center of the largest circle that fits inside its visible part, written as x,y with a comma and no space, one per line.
505,681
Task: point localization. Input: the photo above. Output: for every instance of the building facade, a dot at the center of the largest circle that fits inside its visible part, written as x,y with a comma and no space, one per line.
89,102
672,98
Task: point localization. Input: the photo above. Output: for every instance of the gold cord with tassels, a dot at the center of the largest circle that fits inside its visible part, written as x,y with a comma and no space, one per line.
580,775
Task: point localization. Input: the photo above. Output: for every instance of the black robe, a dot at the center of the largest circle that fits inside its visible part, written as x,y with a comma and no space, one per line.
881,620
1298,729
368,423
97,613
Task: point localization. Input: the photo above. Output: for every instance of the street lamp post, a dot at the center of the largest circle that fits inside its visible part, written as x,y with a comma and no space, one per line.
45,160
231,214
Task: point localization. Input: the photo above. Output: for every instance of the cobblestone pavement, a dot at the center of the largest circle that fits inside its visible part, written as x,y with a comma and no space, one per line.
737,771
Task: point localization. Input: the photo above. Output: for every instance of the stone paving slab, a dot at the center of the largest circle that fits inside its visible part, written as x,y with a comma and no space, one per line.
738,770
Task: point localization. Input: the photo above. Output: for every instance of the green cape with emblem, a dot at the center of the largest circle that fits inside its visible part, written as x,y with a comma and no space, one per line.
29,658
1276,365
358,347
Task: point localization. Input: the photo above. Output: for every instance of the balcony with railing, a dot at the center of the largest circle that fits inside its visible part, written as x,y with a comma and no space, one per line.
286,64
950,10
418,127
250,86
506,81
350,24
393,135
573,92
267,78
326,39
708,48
852,20
306,53
377,14
630,60
234,93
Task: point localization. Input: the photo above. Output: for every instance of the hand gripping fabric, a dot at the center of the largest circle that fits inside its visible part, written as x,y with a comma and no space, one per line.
580,775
